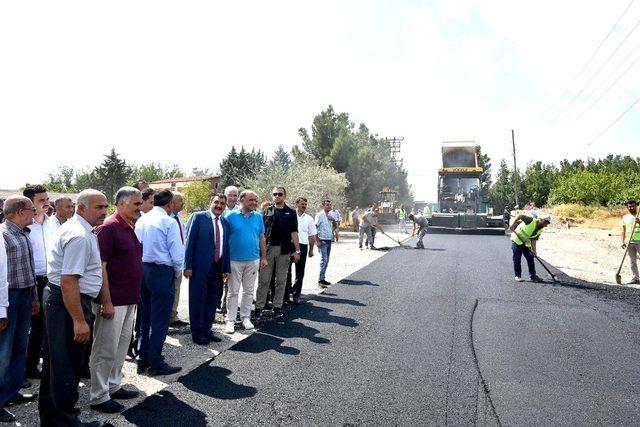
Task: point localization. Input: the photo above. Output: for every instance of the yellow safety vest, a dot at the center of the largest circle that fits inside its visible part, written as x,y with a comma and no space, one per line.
402,214
526,232
628,221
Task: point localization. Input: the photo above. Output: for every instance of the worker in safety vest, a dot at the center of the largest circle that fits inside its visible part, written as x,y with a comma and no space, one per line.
426,212
524,238
633,239
402,220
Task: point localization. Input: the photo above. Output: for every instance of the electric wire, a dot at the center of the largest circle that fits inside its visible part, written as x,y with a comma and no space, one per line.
614,122
594,75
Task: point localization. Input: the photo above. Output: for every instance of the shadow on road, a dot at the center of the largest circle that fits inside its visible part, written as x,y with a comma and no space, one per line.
213,381
167,407
323,315
357,282
294,329
259,342
325,298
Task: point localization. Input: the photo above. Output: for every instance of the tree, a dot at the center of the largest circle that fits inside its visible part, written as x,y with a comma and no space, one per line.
537,182
154,171
238,166
306,179
112,174
62,181
485,163
502,193
280,158
197,196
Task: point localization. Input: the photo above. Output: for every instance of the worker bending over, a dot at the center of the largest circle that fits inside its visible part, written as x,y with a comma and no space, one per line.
525,233
422,223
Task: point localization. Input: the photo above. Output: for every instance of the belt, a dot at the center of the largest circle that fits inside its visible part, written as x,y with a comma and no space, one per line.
155,264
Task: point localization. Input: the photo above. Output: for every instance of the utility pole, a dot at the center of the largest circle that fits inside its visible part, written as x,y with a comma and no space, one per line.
516,176
394,146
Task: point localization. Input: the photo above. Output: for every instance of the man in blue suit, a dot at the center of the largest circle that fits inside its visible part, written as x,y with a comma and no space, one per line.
206,265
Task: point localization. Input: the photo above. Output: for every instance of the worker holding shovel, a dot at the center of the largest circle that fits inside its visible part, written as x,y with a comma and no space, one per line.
523,242
422,223
631,234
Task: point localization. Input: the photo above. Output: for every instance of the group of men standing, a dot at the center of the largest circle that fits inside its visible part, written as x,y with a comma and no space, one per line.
74,289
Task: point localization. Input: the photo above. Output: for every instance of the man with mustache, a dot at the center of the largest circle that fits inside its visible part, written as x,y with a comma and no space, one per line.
115,307
75,278
206,265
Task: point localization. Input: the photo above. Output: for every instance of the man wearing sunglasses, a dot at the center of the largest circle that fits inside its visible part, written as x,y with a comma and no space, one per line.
281,231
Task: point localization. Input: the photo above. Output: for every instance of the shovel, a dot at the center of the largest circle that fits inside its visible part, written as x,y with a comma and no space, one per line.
553,276
618,277
395,240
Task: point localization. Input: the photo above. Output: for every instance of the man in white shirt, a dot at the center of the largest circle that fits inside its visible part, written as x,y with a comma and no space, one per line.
4,286
64,211
162,258
177,204
75,278
307,237
631,234
323,222
40,236
336,223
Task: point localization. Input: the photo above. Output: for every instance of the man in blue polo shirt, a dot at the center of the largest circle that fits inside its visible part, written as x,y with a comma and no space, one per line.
248,251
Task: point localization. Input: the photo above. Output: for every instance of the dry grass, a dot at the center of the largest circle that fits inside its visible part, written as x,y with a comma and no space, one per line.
589,216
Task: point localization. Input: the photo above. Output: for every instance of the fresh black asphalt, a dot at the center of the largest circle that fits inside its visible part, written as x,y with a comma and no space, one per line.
427,337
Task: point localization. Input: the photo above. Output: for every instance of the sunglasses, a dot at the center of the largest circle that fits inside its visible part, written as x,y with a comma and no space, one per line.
278,194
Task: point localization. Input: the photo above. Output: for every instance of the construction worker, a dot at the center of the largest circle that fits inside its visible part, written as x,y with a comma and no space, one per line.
633,239
402,218
426,212
422,224
367,226
523,242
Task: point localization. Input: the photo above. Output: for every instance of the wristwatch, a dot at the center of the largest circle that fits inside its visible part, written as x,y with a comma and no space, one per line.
298,252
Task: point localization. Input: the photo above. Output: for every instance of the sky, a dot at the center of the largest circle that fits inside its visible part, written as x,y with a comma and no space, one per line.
182,82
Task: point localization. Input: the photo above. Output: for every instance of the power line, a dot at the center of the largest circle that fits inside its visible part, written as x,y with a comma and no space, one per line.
593,76
614,122
609,76
596,51
610,86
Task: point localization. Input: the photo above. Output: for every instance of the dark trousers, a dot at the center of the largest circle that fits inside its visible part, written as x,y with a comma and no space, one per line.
518,251
13,344
204,296
295,289
36,335
156,303
63,361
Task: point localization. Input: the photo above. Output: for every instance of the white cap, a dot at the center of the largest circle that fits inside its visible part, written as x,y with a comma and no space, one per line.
546,218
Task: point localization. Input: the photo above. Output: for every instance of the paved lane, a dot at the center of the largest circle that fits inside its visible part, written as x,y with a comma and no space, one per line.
440,336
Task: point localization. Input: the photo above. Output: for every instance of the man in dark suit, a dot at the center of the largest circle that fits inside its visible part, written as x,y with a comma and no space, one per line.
206,265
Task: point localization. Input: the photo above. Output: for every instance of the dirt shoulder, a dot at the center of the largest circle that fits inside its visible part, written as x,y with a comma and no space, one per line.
588,253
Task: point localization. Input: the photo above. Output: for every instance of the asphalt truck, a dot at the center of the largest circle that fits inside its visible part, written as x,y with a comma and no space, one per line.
463,200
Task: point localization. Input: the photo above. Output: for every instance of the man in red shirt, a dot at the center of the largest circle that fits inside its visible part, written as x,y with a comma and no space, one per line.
121,254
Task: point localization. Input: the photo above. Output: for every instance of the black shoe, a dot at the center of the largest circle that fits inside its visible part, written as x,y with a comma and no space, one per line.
536,279
26,384
23,398
200,340
6,416
211,337
108,407
142,367
124,394
277,311
634,282
323,283
33,374
164,370
178,323
257,313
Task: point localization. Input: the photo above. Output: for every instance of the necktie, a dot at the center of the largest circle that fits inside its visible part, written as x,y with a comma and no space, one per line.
216,257
179,228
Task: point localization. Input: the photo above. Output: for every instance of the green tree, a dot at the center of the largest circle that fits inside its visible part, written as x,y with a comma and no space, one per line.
280,158
112,174
154,171
197,196
62,181
502,192
238,166
537,182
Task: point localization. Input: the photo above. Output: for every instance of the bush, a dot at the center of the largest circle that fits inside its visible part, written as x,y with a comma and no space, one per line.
197,196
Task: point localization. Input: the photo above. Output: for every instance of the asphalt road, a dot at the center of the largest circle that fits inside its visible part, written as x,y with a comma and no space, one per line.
427,337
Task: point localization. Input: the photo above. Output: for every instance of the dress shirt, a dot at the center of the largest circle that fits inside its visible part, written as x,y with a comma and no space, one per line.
40,237
306,228
227,211
4,286
182,229
221,241
160,238
75,252
325,229
336,215
21,272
